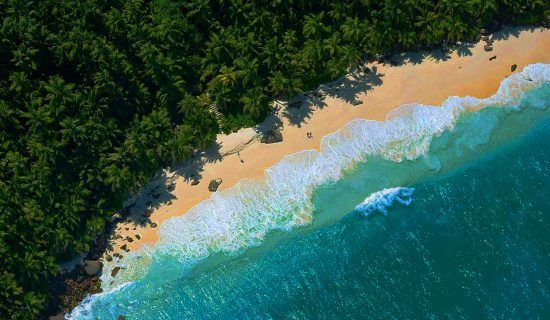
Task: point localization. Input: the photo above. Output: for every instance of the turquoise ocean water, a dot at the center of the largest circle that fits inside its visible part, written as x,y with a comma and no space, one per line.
438,213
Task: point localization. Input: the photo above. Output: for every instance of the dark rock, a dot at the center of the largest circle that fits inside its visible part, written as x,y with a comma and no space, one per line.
513,67
492,58
356,102
92,267
116,254
171,187
485,38
490,41
118,236
138,237
126,229
77,289
153,225
195,182
478,37
488,48
214,184
272,136
129,239
120,256
484,32
147,213
115,271
108,258
124,247
169,203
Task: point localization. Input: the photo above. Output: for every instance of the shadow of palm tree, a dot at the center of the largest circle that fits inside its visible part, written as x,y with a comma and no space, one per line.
463,48
345,88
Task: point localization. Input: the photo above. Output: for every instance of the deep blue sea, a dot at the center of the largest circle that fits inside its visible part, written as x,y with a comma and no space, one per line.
447,218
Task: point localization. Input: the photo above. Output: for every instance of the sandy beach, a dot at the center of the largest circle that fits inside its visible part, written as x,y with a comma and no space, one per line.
425,78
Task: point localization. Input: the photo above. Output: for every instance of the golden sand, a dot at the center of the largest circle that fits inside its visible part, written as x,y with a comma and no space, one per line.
423,78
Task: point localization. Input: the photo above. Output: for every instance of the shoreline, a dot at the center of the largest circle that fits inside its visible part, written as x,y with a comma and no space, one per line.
419,79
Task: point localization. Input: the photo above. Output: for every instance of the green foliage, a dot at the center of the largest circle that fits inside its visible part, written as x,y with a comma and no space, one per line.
96,96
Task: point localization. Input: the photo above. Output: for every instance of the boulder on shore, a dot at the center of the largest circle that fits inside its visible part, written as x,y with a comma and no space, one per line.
484,32
92,267
488,48
115,271
513,67
214,184
272,136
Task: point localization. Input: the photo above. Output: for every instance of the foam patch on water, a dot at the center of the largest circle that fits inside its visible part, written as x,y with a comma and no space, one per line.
242,216
380,201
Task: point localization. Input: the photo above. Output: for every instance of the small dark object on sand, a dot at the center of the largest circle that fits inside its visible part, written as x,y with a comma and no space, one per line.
488,48
214,184
195,182
153,225
513,67
492,58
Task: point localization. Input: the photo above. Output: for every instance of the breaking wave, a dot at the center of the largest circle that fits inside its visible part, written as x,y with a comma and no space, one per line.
380,201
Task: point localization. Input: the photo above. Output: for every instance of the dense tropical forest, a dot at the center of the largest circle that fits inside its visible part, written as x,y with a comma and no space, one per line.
97,95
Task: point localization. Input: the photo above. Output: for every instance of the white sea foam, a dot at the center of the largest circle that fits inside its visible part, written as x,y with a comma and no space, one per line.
380,201
241,216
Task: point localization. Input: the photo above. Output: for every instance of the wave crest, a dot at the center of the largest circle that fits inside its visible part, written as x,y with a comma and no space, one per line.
380,201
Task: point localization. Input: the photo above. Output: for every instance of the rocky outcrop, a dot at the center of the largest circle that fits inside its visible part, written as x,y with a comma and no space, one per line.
272,136
92,267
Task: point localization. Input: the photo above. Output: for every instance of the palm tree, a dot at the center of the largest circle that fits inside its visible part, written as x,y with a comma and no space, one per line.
314,26
227,76
332,45
353,30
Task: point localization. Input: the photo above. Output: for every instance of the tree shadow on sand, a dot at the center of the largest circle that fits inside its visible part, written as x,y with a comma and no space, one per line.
358,81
